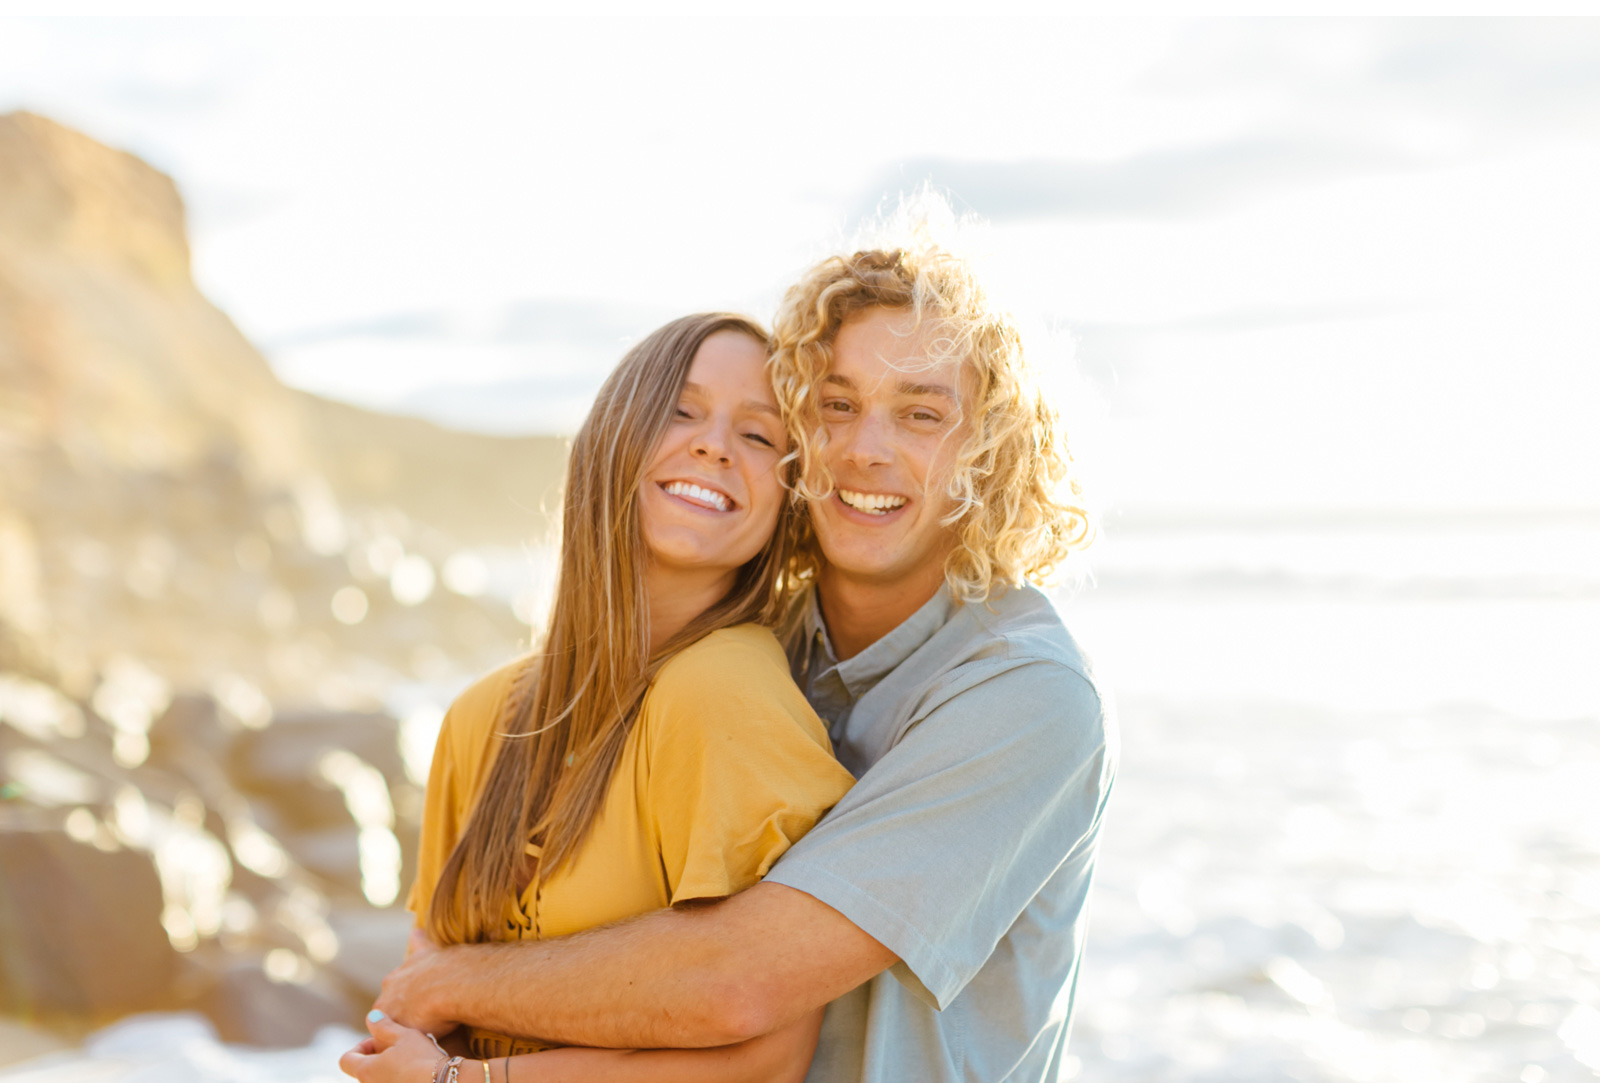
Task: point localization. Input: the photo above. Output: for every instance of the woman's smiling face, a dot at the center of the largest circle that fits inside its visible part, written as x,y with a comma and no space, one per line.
711,494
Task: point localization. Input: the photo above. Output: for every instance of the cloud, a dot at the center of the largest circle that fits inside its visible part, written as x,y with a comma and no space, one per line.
1177,183
1109,351
1253,318
603,325
565,320
392,325
507,407
1497,75
1344,99
532,365
1521,71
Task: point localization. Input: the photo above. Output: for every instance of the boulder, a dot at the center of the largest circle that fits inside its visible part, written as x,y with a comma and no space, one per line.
80,929
371,943
249,1006
282,771
282,762
21,1041
193,721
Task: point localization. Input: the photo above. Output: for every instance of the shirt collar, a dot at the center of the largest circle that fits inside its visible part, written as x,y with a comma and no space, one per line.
861,673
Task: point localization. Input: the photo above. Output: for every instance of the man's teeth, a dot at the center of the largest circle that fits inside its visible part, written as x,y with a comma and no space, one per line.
872,503
695,492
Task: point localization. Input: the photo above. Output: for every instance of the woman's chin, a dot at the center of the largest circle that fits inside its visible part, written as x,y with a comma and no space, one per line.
698,551
693,565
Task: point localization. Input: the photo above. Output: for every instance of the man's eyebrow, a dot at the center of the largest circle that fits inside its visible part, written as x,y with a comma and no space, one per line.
905,387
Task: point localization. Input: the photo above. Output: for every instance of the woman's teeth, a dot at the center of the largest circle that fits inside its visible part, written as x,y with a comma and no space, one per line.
695,492
871,503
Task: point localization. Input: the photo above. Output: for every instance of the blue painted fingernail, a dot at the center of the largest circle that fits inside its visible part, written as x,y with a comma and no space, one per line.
374,1015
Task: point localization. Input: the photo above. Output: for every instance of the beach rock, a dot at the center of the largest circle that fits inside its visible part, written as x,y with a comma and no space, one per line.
80,929
317,780
21,1042
160,487
333,853
283,761
249,1006
286,759
371,943
193,721
165,500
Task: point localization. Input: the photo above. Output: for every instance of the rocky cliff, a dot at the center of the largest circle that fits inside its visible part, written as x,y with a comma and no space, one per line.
210,588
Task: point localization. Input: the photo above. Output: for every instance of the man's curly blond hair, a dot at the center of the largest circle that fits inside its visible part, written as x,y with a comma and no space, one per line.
1018,512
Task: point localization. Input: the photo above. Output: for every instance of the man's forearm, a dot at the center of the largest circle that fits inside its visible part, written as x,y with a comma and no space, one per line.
780,1057
686,978
646,983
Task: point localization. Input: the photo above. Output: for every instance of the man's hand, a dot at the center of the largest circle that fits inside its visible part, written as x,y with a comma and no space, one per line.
405,997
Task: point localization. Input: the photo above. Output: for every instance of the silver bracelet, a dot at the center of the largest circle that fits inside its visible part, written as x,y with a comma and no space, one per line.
438,1068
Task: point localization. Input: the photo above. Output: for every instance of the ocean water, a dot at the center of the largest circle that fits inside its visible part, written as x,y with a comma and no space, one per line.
1355,834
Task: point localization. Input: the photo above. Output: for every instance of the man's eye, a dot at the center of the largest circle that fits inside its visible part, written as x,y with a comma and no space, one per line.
837,407
924,415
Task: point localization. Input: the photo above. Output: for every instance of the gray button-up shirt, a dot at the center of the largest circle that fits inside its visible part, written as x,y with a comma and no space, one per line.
984,754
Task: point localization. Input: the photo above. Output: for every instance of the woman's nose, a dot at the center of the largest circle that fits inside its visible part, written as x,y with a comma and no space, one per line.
709,443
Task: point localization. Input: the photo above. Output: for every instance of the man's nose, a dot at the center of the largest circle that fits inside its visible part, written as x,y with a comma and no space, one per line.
866,443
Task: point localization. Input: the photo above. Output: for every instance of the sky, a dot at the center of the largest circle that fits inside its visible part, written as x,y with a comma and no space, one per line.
1280,266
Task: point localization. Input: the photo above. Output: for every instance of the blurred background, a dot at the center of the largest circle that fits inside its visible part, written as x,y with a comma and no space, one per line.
294,317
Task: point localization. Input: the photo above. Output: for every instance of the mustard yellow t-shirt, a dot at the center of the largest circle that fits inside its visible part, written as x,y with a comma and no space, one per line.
725,767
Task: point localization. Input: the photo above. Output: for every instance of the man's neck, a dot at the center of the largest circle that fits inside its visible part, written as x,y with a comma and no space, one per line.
858,613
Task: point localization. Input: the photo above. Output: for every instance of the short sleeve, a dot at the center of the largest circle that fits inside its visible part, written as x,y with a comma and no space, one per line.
948,837
739,765
459,757
440,825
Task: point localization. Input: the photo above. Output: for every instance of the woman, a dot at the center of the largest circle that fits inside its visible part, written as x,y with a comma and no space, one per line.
654,750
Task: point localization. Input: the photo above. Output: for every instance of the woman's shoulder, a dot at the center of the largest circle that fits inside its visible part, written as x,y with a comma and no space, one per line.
731,689
740,654
475,713
485,695
732,679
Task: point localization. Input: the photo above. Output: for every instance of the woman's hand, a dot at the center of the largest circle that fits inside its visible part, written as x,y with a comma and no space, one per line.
394,1054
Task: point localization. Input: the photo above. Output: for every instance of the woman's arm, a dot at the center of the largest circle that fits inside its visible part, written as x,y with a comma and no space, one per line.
397,1054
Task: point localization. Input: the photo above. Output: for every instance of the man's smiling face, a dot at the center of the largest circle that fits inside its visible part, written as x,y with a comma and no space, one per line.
894,424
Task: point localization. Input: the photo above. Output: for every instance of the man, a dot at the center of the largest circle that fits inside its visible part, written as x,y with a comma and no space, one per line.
940,906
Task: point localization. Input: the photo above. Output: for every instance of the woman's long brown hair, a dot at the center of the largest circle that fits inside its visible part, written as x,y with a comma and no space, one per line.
573,704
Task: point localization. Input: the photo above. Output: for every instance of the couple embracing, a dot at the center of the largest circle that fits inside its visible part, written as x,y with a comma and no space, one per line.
804,778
